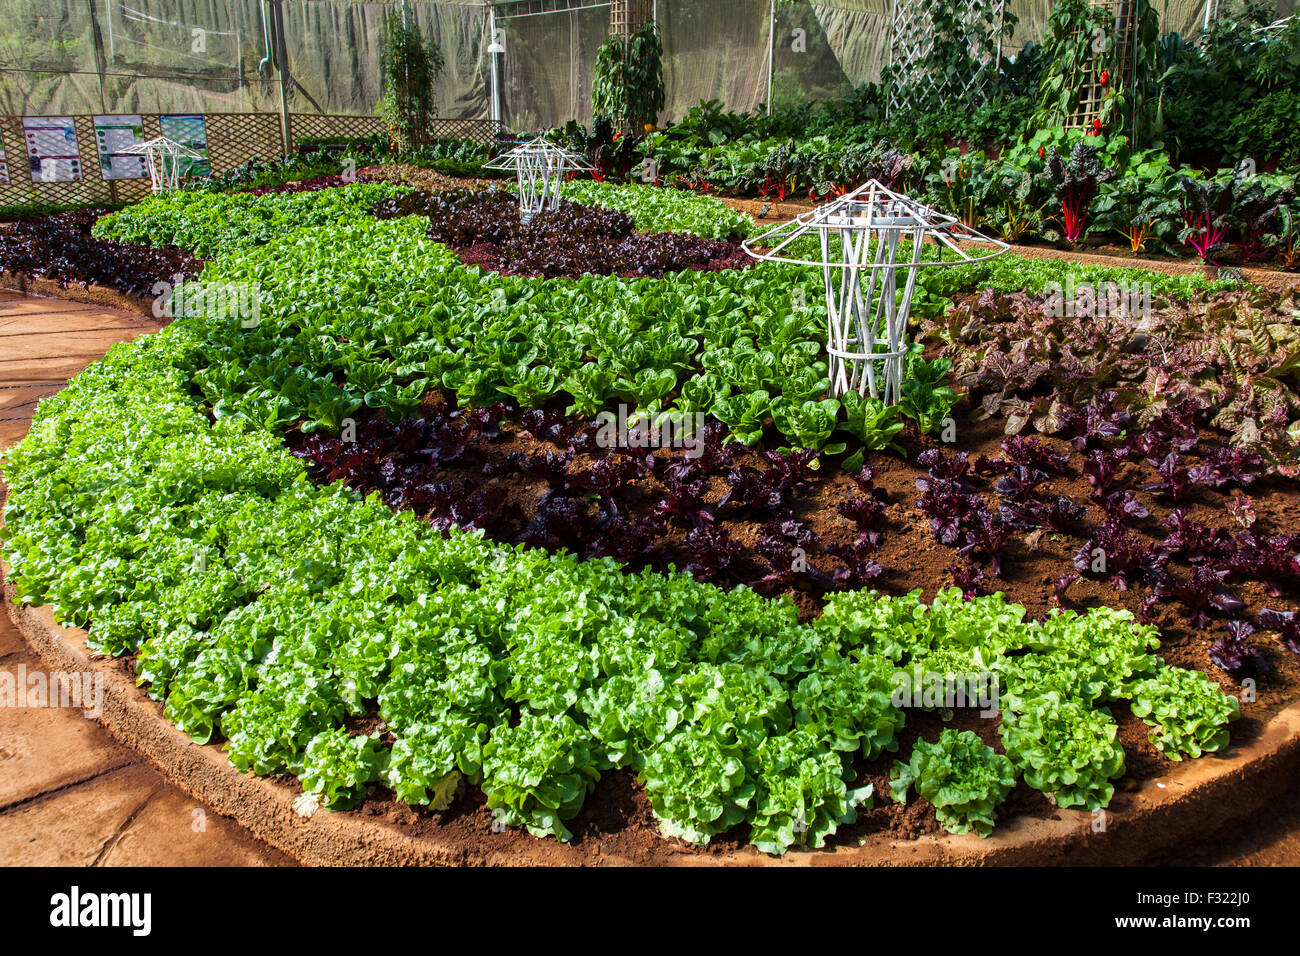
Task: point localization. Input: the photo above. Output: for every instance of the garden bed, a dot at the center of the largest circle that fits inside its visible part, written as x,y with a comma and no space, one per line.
784,678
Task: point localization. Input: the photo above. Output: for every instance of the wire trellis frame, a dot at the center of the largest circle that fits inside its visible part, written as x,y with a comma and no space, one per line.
163,158
861,237
911,40
540,167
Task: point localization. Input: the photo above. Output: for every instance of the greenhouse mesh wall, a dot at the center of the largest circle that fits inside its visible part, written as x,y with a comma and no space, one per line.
69,57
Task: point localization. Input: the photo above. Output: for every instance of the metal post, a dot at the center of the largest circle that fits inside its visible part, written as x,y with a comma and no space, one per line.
771,45
496,76
1209,15
282,63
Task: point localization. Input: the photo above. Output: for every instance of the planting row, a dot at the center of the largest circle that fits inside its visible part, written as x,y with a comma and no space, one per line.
372,312
272,614
485,228
60,248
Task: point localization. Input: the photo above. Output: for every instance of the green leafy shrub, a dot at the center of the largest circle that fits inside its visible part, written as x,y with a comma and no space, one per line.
663,210
337,766
538,772
429,760
802,795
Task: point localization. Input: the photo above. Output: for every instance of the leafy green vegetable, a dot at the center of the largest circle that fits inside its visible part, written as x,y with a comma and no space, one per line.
802,796
1188,711
961,776
338,766
538,772
1066,749
663,210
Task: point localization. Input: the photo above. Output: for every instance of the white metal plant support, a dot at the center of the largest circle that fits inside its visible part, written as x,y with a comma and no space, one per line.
540,167
869,240
163,157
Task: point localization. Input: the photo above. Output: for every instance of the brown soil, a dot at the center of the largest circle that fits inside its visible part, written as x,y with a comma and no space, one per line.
769,211
75,292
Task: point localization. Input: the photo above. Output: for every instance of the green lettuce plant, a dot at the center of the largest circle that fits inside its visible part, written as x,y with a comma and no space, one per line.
1188,712
961,776
1065,748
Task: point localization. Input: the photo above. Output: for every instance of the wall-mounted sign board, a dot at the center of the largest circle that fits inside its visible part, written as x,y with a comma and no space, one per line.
52,149
112,133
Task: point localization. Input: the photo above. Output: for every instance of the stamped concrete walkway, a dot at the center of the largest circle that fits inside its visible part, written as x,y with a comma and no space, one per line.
69,794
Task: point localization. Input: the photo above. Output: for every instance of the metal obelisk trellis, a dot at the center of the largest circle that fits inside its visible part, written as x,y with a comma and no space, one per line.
866,239
540,167
163,157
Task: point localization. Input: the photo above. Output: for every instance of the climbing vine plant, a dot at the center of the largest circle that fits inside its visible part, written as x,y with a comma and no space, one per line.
411,65
628,89
1080,53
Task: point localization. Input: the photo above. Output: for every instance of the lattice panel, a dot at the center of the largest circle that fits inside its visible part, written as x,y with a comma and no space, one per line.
627,16
234,138
912,40
480,130
321,126
1120,63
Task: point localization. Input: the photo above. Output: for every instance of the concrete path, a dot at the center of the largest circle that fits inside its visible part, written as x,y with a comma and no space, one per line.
69,794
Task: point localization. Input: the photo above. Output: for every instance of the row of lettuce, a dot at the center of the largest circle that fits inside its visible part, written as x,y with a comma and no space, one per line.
275,614
357,312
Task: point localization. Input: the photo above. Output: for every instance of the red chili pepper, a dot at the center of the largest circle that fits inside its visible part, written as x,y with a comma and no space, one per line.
1092,132
1105,77
1042,151
1096,124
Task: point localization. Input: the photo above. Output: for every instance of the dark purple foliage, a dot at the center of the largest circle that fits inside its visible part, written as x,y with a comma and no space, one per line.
716,556
1033,452
60,248
485,228
1017,483
1235,655
1115,551
1202,592
968,577
1225,466
1100,467
1121,506
1097,420
1174,481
